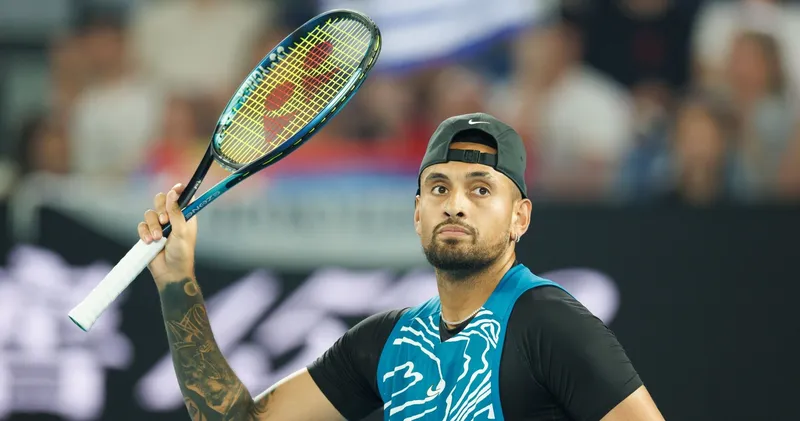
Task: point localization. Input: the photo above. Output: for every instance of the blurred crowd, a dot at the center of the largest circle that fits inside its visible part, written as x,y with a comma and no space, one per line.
641,101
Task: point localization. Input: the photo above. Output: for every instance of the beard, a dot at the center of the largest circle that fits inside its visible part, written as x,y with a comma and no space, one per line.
463,256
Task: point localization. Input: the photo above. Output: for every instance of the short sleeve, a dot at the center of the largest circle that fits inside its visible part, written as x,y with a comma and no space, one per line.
573,354
346,372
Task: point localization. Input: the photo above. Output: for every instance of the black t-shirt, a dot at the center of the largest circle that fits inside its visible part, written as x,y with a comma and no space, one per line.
559,362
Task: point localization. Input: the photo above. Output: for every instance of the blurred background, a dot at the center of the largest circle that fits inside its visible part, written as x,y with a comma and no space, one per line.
664,166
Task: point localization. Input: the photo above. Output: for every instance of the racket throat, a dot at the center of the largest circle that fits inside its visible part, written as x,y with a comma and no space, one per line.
197,178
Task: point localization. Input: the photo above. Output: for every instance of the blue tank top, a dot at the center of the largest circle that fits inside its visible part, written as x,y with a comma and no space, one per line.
422,378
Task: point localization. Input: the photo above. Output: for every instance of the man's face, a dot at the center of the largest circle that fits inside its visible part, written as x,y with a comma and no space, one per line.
467,214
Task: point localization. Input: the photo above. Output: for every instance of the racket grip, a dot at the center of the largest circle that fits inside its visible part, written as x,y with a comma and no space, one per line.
86,313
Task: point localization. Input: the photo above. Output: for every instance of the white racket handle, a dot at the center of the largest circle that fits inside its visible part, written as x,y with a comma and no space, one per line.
86,313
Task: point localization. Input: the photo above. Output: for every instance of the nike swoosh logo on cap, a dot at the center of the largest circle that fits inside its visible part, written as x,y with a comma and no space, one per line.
477,122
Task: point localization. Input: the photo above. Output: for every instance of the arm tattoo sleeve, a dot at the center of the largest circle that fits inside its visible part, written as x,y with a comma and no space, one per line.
210,388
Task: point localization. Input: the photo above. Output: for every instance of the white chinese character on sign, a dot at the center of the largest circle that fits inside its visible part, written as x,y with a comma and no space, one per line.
47,364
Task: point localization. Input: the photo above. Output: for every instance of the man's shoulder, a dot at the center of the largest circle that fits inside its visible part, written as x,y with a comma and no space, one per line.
547,304
378,323
546,293
387,316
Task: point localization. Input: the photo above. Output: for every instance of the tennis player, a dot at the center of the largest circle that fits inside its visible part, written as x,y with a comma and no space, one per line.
497,343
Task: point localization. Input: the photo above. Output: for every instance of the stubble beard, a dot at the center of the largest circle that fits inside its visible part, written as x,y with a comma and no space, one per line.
462,257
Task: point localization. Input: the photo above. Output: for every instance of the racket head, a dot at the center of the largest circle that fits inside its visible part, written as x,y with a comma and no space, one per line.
296,89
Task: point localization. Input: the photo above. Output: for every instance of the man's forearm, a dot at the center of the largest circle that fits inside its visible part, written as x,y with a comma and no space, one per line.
210,388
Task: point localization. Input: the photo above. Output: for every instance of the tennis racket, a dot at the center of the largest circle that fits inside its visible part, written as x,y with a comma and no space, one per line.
289,96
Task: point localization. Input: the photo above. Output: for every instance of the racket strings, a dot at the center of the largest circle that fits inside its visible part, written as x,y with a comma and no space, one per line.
356,51
263,91
277,125
334,79
330,89
305,50
294,90
297,78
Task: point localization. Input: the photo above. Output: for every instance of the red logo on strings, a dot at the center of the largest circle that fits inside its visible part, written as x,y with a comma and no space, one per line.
309,87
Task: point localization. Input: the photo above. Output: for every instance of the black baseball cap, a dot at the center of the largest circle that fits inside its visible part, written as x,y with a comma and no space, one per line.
510,159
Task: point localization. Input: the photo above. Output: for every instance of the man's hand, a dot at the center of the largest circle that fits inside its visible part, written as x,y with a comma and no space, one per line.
176,262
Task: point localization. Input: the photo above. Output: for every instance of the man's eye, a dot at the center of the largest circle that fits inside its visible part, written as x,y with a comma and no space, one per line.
481,191
439,190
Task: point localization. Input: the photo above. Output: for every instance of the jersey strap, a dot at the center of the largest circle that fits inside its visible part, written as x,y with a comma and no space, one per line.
422,378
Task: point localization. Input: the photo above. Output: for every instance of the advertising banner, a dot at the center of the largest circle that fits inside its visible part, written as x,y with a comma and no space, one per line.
700,299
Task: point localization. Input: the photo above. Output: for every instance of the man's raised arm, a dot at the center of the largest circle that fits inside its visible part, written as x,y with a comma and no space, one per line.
211,390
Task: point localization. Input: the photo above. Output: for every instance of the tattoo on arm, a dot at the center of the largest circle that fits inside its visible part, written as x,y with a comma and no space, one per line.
261,404
210,388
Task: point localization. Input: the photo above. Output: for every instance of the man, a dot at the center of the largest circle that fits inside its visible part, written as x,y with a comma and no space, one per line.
496,343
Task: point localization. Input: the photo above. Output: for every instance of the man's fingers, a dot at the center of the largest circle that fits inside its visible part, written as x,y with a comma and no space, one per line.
153,225
165,210
176,217
179,188
160,203
160,206
144,233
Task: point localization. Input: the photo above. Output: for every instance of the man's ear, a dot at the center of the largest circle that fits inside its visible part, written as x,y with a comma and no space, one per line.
416,216
521,218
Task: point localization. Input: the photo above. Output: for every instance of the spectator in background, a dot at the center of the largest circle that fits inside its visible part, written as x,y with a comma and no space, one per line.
644,45
700,137
43,147
636,41
578,121
117,114
719,22
176,150
455,90
197,47
761,98
644,171
387,103
788,185
69,73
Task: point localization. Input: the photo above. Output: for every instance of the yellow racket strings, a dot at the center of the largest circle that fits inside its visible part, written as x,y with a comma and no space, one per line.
295,89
